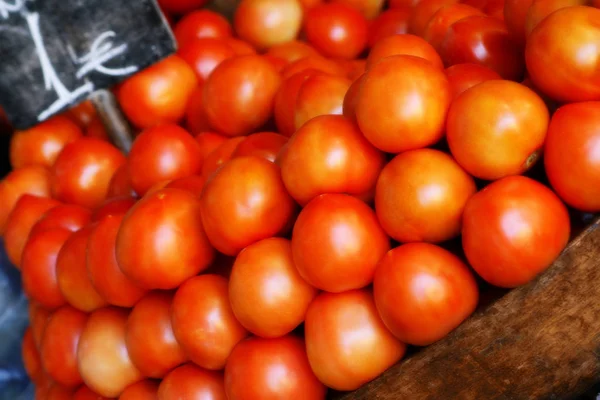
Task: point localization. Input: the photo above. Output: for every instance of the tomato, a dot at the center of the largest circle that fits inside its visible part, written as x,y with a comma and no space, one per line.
353,69
201,24
486,41
195,113
70,217
465,76
32,180
404,44
267,294
368,8
220,155
103,270
497,128
515,15
82,114
565,67
351,243
102,355
38,318
59,345
440,22
421,195
180,6
161,242
241,48
285,101
388,23
193,184
158,94
244,202
142,390
402,104
31,357
351,99
347,343
209,142
264,144
83,171
120,185
205,54
59,392
393,4
41,144
526,229
275,368
292,50
539,10
192,382
336,30
311,62
116,206
203,321
320,94
266,23
85,393
97,130
164,152
422,13
238,96
571,157
329,154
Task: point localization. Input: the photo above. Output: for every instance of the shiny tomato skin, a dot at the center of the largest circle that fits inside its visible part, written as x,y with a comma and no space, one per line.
346,341
142,390
480,138
422,292
263,144
527,227
539,10
203,321
404,44
205,54
329,154
465,76
423,12
180,6
386,111
275,368
161,242
192,382
320,94
220,155
388,23
201,24
245,201
67,216
82,114
31,357
443,18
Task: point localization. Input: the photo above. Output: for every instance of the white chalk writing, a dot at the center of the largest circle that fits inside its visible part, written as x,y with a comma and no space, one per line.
8,7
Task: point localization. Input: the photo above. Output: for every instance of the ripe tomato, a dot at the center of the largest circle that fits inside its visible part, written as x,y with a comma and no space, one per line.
59,392
82,114
329,155
388,23
206,54
402,104
275,368
570,155
149,336
241,48
238,96
423,292
85,393
116,206
446,16
120,185
220,155
353,68
83,171
266,23
193,184
404,44
312,62
244,202
351,99
320,94
67,216
161,242
351,243
565,67
41,144
102,355
267,294
285,100
465,76
292,50
369,8
264,144
196,120
97,130
38,318
203,321
180,6
209,141
422,13
201,24
31,357
515,16
59,345
347,343
192,382
421,195
164,152
526,227
336,30
159,93
539,10
393,4
142,390
497,128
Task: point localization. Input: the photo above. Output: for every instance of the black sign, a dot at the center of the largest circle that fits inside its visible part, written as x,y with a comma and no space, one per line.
55,53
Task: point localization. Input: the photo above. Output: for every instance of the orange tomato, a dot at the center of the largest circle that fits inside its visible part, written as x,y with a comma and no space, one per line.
404,44
465,76
192,382
515,16
263,144
388,23
422,13
142,390
446,16
320,94
200,24
539,10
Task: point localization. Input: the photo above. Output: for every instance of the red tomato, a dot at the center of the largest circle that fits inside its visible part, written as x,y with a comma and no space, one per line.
267,294
404,44
388,23
38,318
85,393
353,69
164,152
239,95
347,343
203,321
369,8
515,15
180,6
102,355
403,103
159,93
351,243
565,67
330,155
59,392
65,216
275,368
421,195
336,30
103,270
422,292
220,155
196,120
161,242
142,390
97,130
192,382
308,4
539,10
320,94
116,206
311,62
31,357
465,76
59,345
205,54
497,128
120,185
264,144
82,114
440,22
201,24
83,171
571,155
292,50
241,48
422,13
41,144
403,3
244,202
285,101
526,228
351,99
193,184
209,142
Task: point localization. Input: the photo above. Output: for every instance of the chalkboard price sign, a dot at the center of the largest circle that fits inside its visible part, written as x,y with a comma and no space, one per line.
55,53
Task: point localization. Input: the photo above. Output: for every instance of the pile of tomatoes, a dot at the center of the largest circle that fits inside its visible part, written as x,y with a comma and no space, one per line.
285,220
